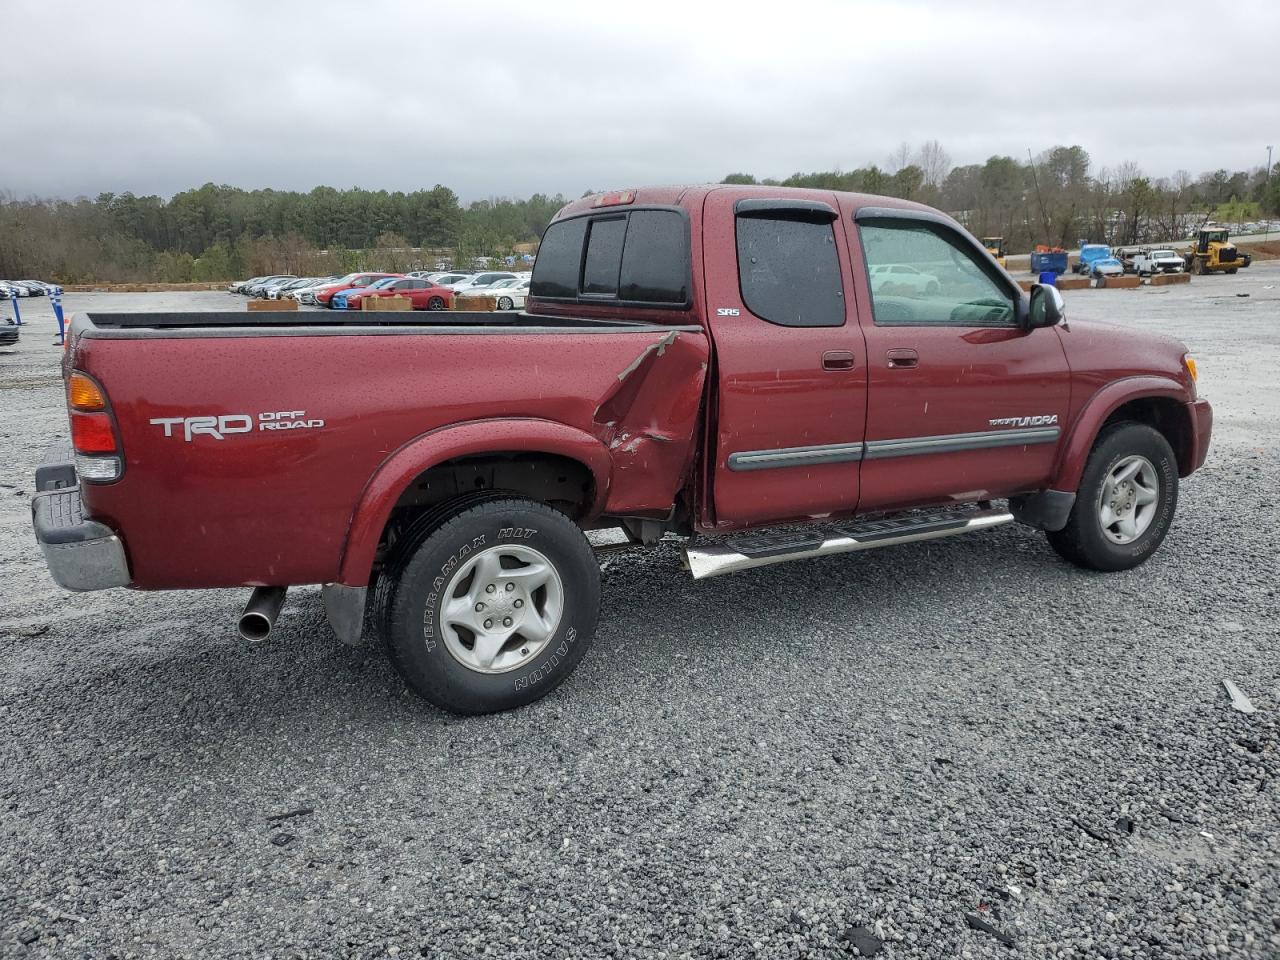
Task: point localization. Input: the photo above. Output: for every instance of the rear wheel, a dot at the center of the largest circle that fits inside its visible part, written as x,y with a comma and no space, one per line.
1125,503
504,303
435,303
492,607
1233,270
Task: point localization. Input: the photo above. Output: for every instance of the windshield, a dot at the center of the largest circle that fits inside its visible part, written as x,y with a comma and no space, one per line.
385,282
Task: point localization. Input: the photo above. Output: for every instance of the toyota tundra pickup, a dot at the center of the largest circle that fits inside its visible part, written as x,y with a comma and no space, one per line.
732,365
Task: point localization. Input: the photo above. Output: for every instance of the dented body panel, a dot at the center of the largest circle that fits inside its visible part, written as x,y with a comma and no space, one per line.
307,505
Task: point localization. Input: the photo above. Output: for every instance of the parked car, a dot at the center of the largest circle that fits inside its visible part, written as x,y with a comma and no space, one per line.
17,289
306,294
352,281
448,279
1163,260
34,288
438,478
904,280
508,294
258,289
424,294
7,290
9,332
466,286
1090,252
1105,267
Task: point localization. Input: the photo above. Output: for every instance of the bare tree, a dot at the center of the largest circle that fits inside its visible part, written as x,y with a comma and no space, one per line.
934,163
900,157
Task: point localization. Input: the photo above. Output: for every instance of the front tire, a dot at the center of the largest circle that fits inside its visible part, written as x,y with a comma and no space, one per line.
1126,501
493,607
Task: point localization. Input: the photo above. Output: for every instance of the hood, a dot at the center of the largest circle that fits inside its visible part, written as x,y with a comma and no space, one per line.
1105,352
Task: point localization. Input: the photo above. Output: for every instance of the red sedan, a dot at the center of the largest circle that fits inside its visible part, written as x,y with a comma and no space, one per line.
352,281
424,294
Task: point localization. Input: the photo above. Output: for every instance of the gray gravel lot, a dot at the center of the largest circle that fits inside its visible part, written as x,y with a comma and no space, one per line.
758,765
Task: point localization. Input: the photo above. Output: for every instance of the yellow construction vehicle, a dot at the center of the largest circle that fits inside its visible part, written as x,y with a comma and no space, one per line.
1213,251
995,247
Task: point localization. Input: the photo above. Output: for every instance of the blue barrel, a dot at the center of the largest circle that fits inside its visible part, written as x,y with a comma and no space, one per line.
1049,278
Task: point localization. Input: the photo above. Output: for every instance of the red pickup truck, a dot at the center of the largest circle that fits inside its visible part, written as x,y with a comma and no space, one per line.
740,366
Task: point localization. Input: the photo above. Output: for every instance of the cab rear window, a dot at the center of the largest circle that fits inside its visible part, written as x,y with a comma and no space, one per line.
639,257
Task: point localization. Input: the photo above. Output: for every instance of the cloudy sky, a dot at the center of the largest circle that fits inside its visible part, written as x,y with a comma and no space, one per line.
549,96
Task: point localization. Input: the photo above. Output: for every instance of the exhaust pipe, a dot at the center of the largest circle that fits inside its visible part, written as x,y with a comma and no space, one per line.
260,613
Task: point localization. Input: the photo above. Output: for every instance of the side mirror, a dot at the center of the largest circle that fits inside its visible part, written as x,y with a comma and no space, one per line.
1048,309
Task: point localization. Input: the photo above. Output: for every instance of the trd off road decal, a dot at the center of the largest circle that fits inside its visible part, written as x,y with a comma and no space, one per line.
232,423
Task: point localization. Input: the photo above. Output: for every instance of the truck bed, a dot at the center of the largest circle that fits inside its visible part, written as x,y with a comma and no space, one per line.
250,439
354,321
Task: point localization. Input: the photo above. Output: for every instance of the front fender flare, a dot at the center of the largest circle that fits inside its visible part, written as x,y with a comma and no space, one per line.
473,438
1084,431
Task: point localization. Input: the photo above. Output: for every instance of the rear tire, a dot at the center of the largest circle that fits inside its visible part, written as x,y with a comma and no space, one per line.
435,303
504,303
491,606
1126,501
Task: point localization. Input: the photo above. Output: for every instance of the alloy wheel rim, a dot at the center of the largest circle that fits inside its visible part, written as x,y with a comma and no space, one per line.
501,608
1128,500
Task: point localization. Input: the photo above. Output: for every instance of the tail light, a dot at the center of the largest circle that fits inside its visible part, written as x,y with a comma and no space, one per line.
93,430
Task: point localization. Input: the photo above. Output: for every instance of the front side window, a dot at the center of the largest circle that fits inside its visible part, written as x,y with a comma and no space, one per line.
923,275
789,271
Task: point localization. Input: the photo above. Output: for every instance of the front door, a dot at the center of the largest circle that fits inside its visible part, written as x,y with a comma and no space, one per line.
792,377
964,403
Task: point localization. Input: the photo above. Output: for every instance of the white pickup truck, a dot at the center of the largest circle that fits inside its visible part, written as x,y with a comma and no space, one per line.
1158,261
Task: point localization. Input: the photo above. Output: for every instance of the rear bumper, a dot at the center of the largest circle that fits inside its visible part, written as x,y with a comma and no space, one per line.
1201,415
81,554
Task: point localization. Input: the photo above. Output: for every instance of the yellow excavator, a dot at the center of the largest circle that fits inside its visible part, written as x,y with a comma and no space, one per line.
1213,252
995,247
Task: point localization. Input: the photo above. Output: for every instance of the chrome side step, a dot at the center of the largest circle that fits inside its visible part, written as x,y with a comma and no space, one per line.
729,554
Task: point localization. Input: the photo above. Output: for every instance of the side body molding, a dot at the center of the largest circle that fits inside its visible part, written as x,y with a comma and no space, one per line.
1075,452
476,437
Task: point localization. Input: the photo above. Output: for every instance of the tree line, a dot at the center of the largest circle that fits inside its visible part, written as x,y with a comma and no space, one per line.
1056,198
222,232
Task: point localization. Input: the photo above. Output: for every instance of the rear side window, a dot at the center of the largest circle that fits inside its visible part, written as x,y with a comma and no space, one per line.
559,263
655,265
640,257
789,271
604,256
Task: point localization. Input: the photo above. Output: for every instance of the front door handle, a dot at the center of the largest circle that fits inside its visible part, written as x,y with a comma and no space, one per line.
837,360
902,357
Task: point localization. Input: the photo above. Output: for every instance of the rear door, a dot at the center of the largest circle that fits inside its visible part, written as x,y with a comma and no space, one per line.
792,377
964,403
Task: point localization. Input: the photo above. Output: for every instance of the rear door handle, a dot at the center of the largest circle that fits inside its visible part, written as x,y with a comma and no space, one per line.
837,360
902,357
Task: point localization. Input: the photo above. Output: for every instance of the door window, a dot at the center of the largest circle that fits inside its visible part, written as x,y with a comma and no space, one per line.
922,275
789,271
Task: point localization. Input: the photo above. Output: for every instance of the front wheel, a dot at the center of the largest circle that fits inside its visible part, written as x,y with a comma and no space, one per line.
493,607
1125,503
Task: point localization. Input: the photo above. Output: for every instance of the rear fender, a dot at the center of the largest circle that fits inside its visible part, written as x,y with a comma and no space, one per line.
1075,452
449,443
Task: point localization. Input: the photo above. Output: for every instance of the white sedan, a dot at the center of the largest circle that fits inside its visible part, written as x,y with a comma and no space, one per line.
509,294
899,279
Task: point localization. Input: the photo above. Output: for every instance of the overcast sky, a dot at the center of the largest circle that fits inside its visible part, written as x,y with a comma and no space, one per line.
562,97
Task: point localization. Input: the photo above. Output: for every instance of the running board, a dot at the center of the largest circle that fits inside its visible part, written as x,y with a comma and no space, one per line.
735,552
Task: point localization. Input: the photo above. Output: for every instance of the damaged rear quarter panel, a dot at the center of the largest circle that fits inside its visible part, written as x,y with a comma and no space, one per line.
648,419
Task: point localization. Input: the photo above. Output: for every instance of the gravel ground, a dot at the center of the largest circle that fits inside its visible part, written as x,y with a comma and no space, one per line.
790,762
